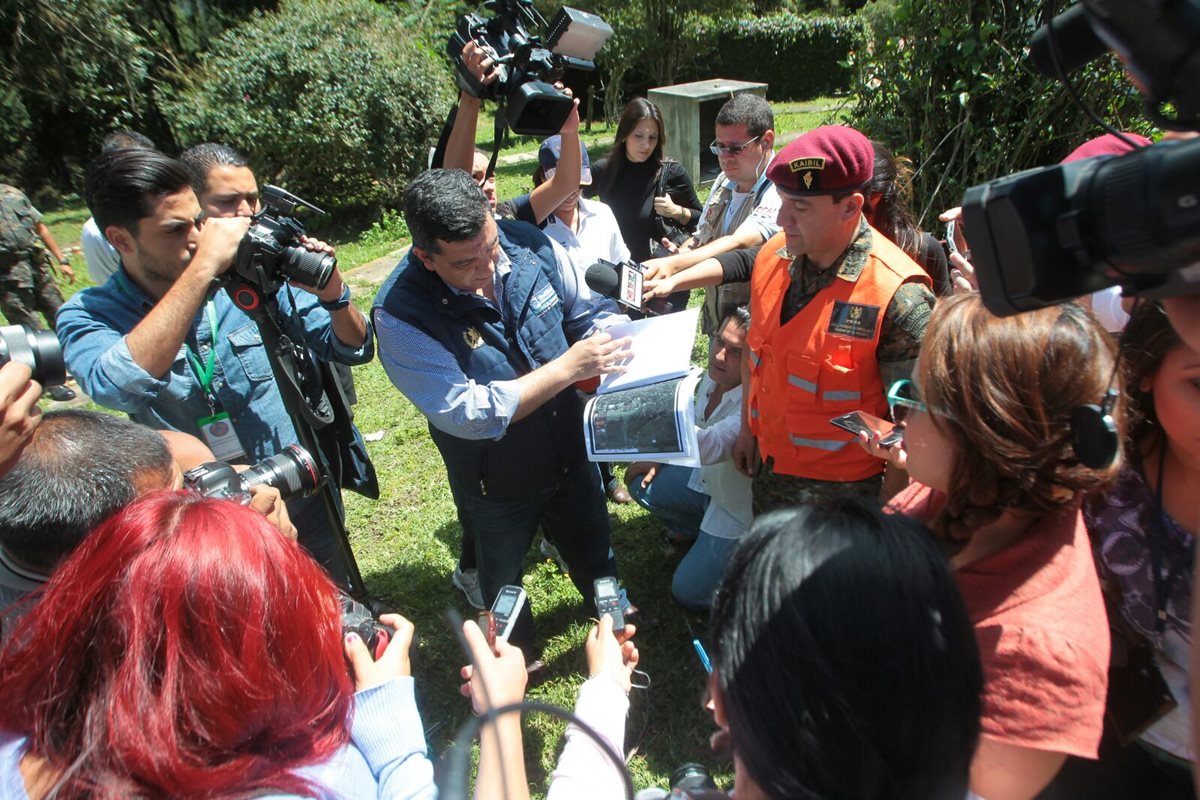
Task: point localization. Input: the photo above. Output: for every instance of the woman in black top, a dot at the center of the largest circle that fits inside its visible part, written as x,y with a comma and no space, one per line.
638,184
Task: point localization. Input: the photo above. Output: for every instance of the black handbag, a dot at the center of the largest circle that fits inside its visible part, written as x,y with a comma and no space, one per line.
665,228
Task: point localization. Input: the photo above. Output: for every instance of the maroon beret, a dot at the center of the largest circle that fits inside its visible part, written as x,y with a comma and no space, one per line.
832,158
1106,145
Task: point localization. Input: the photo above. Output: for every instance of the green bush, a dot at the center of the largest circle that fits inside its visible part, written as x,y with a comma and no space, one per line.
335,100
800,57
950,86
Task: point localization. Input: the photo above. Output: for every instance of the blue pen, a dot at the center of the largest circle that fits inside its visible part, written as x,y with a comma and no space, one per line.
703,655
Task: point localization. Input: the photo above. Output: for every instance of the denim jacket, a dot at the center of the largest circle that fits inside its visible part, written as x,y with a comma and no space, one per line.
92,326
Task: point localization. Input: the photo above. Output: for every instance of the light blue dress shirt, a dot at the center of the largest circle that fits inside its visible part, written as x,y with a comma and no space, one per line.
92,327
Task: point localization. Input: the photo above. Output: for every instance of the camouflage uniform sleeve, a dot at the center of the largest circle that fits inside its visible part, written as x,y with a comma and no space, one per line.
903,330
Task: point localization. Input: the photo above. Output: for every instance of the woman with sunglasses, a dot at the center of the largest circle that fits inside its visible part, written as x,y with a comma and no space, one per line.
988,444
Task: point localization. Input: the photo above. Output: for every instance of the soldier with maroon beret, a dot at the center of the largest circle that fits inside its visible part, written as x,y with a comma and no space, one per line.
838,314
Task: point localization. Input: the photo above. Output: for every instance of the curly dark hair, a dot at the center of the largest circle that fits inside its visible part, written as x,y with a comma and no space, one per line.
1002,390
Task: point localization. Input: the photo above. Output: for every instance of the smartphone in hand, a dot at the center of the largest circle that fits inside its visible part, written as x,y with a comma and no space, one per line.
861,422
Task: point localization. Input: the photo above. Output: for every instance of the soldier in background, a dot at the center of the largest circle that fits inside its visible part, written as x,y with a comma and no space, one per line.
26,275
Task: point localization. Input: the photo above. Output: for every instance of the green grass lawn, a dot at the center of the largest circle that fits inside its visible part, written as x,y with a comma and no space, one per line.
407,545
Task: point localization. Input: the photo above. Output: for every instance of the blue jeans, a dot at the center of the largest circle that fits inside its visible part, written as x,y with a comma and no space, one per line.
699,573
670,500
574,515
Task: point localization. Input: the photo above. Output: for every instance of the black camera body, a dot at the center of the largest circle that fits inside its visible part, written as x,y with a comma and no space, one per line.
38,350
1047,235
358,619
291,471
526,67
271,253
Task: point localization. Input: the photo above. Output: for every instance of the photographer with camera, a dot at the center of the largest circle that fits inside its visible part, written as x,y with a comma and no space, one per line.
225,186
162,343
91,464
461,153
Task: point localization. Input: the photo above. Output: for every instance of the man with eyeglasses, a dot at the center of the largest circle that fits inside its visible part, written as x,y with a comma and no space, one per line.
741,210
839,312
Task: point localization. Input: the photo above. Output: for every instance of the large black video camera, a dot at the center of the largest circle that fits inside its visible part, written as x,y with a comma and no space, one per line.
271,252
291,471
38,350
1048,235
525,67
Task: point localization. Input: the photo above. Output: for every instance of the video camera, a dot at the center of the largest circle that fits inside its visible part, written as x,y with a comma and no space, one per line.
271,252
291,471
38,350
525,67
1047,235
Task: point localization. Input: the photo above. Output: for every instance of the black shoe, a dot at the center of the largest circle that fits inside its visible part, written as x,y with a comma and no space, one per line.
61,393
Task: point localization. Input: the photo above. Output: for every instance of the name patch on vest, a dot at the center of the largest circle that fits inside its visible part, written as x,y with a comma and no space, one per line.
544,300
853,320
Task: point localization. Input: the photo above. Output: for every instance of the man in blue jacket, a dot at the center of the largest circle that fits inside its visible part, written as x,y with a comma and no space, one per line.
162,343
485,327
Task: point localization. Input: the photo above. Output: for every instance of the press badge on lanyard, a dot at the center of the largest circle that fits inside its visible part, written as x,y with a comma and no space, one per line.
216,429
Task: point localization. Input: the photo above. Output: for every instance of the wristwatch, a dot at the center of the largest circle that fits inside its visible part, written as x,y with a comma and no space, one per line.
340,303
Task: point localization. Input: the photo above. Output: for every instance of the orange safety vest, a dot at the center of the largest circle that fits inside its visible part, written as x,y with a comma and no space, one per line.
821,364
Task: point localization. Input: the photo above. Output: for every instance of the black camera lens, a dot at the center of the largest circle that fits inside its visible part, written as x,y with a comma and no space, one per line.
290,471
38,350
692,776
306,267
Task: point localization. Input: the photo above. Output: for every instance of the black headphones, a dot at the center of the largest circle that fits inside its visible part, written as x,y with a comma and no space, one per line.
1094,433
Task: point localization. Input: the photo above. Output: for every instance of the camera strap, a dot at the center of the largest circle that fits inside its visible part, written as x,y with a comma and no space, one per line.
1164,584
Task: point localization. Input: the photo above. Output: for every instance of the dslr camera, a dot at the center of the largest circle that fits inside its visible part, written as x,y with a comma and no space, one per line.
292,471
526,67
38,350
271,253
1048,235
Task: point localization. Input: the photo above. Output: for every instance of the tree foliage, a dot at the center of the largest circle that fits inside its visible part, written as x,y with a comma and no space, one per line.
335,100
73,70
951,86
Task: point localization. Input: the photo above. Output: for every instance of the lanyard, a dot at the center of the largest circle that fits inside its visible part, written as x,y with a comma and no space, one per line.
1158,542
204,374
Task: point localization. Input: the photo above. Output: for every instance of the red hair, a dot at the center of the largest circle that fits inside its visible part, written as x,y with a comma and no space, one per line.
185,649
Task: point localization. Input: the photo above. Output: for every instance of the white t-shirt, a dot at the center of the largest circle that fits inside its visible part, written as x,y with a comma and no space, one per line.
102,258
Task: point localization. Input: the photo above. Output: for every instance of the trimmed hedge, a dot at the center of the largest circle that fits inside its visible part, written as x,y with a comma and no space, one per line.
800,57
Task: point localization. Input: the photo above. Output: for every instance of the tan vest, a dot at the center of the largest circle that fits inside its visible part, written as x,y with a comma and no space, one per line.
719,301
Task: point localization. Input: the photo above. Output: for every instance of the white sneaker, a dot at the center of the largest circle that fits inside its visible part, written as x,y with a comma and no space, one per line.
468,582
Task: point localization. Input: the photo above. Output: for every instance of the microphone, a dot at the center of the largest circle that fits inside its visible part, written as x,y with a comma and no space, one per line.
608,279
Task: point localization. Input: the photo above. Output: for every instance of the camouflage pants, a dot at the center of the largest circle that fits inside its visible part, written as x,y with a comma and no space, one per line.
27,287
772,490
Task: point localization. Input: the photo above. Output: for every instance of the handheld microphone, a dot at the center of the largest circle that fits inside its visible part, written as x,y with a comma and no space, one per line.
623,283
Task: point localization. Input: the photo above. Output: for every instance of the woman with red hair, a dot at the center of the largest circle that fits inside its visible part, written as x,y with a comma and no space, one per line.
188,649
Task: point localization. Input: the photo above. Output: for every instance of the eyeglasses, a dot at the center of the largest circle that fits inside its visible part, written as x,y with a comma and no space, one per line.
731,149
903,400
